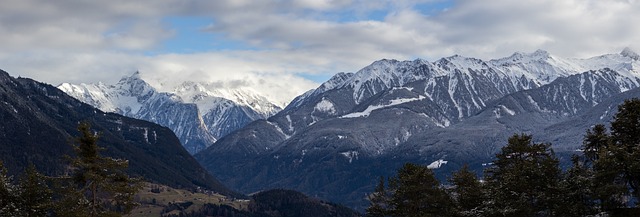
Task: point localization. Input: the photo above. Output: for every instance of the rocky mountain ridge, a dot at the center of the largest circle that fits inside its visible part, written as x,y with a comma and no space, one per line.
40,122
455,109
197,113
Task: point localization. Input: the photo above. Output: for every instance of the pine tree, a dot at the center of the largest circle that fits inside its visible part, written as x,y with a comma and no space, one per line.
379,200
594,142
625,133
603,159
467,192
97,186
576,195
614,158
416,192
35,196
8,200
524,178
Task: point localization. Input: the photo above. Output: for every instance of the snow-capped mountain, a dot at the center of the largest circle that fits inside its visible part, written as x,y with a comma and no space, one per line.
38,120
197,113
454,109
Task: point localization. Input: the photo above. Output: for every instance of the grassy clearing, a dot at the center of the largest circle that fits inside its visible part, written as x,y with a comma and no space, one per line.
154,198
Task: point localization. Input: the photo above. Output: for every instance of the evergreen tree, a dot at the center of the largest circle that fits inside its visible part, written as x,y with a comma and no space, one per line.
34,194
97,186
8,200
379,200
577,197
609,185
625,134
594,142
416,192
614,158
524,179
602,161
467,192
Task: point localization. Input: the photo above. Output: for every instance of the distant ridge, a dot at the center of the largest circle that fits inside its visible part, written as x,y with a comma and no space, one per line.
336,140
39,120
197,113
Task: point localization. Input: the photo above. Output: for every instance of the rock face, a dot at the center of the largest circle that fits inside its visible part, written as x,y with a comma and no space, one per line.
39,121
334,141
198,115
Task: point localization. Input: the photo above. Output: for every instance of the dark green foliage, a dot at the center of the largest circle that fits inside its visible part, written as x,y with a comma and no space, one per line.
379,201
31,197
467,192
625,133
35,196
600,159
97,186
614,158
594,142
577,197
524,179
208,210
414,191
626,124
181,206
8,199
288,203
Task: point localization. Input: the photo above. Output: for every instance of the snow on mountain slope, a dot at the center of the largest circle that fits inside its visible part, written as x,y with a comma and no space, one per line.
197,113
453,109
202,95
371,108
461,84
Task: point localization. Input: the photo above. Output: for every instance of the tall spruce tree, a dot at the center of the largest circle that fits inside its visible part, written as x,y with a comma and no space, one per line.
576,191
97,185
8,199
595,141
416,192
35,196
625,134
524,179
603,160
378,200
614,158
467,192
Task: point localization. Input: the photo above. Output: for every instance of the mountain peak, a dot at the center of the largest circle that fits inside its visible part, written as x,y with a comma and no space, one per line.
133,77
627,52
539,54
135,85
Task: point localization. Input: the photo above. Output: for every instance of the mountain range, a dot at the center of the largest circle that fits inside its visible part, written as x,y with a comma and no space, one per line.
334,141
198,113
39,122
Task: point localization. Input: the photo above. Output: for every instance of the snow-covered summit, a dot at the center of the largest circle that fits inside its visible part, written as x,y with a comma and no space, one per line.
463,64
627,52
201,93
198,113
449,77
384,74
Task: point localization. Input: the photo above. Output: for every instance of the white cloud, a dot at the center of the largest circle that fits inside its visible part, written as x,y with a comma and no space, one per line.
89,41
276,79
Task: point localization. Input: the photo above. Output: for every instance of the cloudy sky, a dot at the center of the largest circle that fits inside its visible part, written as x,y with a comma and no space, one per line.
285,47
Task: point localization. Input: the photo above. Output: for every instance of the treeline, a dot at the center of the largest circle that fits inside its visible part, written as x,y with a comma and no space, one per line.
93,185
276,203
525,179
